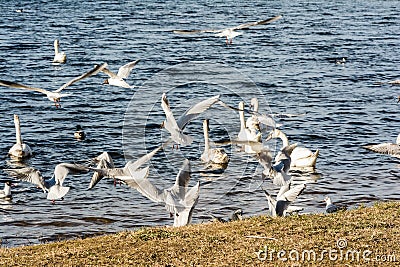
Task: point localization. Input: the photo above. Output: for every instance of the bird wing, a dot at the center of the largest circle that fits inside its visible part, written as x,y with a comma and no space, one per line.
182,180
196,31
260,22
271,203
292,193
109,73
146,188
170,123
104,161
63,169
265,159
28,174
126,69
21,86
195,110
385,148
134,165
94,71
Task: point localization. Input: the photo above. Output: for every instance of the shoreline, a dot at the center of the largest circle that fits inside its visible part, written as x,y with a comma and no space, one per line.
364,235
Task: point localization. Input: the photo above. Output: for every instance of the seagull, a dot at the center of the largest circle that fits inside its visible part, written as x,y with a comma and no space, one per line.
281,206
179,201
6,192
20,150
56,95
237,215
105,168
386,148
330,207
175,128
212,155
301,157
59,57
231,32
123,73
79,133
279,171
54,186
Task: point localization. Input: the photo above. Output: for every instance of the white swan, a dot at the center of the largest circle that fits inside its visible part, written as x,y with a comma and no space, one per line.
286,195
105,168
175,128
178,201
53,186
386,148
6,192
301,157
20,150
123,73
247,134
55,95
214,155
230,33
59,57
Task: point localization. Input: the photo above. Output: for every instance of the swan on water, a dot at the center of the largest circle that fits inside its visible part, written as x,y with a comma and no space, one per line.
212,155
59,57
386,148
301,157
20,150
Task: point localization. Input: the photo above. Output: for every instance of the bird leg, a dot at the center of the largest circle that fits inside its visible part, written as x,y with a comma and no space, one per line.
53,201
231,41
227,40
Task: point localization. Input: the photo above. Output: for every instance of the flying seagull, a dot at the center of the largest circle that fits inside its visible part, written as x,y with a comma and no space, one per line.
179,201
55,95
119,78
54,186
175,128
231,32
285,197
105,168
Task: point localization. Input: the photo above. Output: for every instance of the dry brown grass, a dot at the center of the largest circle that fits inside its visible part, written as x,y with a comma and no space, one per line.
374,229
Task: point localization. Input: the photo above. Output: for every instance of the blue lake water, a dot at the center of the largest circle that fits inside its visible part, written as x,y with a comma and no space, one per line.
289,65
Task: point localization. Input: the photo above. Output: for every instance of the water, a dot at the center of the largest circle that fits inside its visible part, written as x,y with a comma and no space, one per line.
289,65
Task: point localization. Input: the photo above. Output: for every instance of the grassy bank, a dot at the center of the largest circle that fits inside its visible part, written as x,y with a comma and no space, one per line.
364,236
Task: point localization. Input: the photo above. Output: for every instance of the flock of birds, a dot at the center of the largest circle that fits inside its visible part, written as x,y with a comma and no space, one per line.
179,200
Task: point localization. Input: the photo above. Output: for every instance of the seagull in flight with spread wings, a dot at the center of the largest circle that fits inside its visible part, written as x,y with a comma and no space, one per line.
53,186
123,73
175,128
55,95
231,32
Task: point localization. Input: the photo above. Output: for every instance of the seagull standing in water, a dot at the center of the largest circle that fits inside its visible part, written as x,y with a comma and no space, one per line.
119,78
55,95
175,128
330,207
54,186
230,33
179,201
